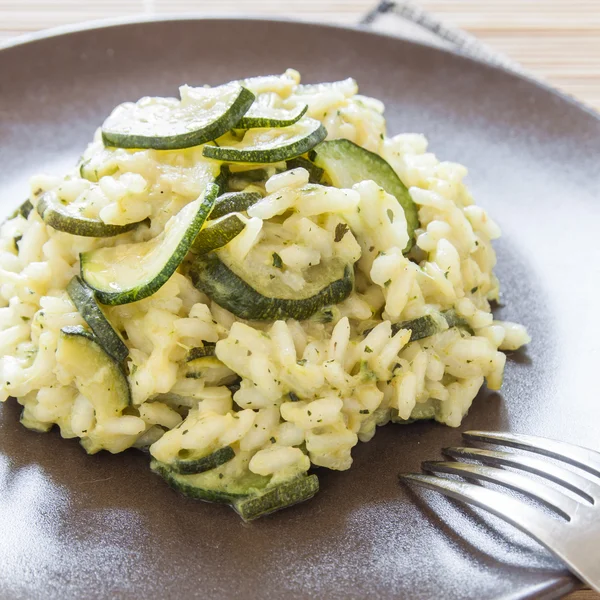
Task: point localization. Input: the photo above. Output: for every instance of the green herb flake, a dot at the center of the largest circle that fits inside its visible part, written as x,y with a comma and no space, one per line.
368,350
273,440
277,262
473,290
293,397
364,411
340,231
387,283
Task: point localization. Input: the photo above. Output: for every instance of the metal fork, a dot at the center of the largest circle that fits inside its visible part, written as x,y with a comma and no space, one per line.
574,537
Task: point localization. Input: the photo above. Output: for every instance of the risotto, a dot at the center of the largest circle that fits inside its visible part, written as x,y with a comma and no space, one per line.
246,281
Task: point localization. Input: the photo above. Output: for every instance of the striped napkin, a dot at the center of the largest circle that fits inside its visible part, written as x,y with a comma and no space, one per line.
409,20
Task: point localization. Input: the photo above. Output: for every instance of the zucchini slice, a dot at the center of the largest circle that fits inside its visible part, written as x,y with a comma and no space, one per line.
201,363
431,324
234,202
315,174
194,465
262,115
131,272
85,301
250,295
201,351
204,114
278,497
346,163
223,484
423,411
67,218
98,376
268,145
23,210
239,181
217,234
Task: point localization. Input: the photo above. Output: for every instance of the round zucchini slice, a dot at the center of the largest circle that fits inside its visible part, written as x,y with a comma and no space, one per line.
250,294
98,376
131,272
263,115
270,145
202,115
346,163
67,218
234,202
84,299
229,482
217,234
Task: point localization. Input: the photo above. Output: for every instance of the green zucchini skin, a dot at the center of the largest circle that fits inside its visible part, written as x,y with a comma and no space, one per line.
315,174
217,234
234,202
23,210
84,299
82,353
267,155
211,276
208,486
139,290
273,499
115,138
250,121
193,466
346,163
201,351
429,325
57,216
455,320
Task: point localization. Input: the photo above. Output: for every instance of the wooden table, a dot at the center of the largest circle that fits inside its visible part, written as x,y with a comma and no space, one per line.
557,40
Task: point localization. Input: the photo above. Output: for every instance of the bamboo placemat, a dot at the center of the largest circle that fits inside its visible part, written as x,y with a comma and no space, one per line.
555,40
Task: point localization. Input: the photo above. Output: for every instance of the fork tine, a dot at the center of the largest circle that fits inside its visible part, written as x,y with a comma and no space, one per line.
588,489
552,498
584,458
529,520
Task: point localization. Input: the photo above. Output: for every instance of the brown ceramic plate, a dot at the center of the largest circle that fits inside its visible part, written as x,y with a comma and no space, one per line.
73,526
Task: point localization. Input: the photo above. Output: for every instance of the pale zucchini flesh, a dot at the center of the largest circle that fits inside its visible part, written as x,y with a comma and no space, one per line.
171,124
97,375
224,484
131,272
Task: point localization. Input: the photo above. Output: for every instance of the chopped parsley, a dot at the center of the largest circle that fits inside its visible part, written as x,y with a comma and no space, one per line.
277,262
340,231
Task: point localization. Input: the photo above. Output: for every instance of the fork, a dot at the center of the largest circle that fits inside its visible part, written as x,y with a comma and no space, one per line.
574,537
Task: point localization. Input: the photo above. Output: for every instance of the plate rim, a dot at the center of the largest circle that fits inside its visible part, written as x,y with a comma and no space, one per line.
557,584
110,22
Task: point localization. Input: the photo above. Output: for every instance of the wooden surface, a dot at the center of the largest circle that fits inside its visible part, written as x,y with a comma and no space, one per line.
558,40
